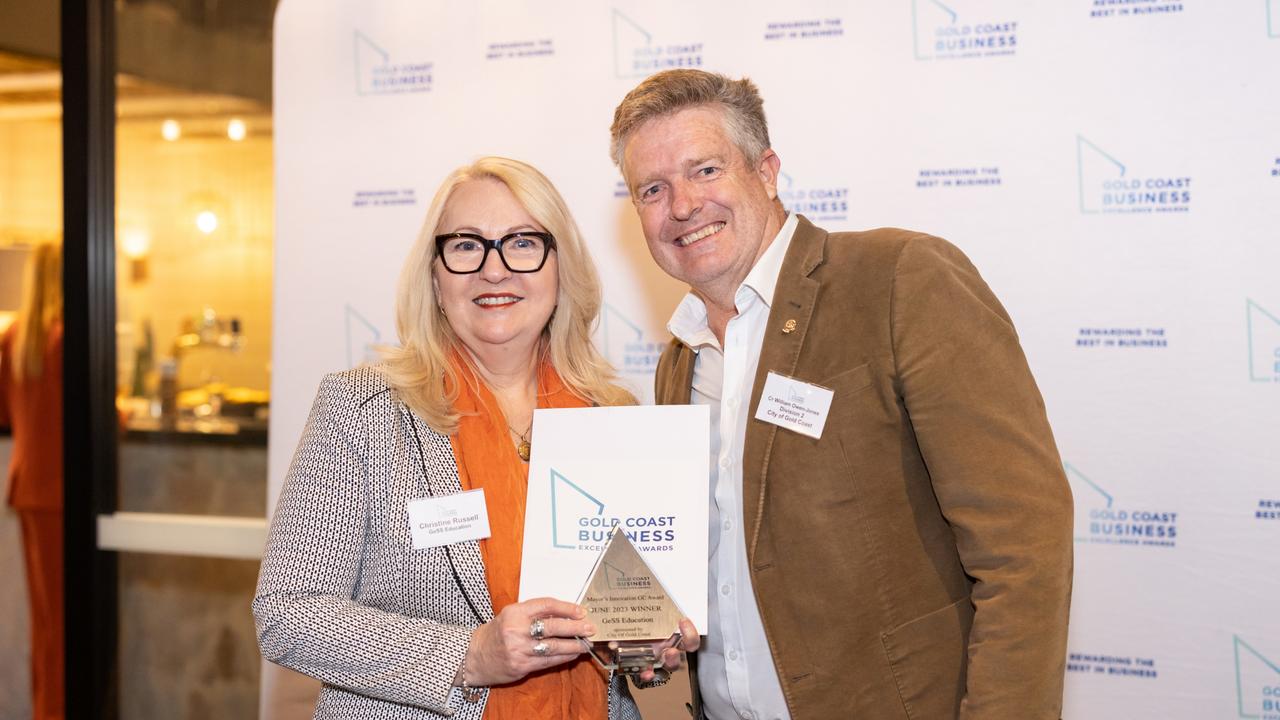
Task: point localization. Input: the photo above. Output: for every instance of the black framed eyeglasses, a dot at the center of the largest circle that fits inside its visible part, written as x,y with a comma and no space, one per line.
521,252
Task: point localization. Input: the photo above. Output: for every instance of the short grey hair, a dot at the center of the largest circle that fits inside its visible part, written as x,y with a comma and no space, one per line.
671,91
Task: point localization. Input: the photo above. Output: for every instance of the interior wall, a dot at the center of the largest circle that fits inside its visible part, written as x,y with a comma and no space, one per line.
161,188
30,180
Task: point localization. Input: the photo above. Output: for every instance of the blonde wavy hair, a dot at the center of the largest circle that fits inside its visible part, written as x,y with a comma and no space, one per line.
41,309
419,370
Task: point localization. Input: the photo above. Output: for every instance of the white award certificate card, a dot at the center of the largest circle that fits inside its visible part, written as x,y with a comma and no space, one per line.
643,469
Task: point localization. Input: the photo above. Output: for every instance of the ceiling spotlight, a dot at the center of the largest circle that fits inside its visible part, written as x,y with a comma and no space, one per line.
207,222
171,130
236,129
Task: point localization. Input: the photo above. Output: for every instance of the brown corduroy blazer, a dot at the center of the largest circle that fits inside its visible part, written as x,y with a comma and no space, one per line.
915,561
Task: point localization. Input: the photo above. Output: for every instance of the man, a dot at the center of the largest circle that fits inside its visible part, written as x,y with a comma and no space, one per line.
913,560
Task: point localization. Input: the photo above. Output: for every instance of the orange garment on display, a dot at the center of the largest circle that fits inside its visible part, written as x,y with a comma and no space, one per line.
32,407
487,459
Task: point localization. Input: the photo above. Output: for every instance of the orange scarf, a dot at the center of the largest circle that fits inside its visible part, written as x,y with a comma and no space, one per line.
487,458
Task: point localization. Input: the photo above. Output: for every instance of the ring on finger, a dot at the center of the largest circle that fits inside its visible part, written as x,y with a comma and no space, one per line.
541,649
537,629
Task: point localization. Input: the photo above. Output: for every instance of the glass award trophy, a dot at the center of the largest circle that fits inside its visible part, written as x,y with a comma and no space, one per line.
635,618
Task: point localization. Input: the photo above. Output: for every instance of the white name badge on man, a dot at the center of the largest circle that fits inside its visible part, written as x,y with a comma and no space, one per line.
642,470
794,404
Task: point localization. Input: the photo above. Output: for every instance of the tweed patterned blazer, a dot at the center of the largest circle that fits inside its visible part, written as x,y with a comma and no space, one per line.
342,595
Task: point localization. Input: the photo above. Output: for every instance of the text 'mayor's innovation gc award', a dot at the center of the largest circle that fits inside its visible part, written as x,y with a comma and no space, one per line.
616,519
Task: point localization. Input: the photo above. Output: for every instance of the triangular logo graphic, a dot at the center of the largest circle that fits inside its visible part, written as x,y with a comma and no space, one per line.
1094,167
616,576
362,337
926,17
1263,327
1089,496
624,598
568,501
616,330
1075,476
628,37
1257,681
367,57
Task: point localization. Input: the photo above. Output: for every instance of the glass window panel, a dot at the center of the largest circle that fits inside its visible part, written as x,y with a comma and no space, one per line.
194,232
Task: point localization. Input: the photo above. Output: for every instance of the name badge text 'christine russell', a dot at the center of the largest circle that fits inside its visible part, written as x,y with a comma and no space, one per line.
449,519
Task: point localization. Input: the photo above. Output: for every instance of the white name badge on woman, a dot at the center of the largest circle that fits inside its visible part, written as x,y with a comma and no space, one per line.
639,471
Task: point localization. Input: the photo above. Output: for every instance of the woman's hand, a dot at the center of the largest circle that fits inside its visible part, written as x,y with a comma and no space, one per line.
671,654
504,649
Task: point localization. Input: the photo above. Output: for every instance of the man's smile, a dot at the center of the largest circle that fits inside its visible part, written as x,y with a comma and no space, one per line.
695,236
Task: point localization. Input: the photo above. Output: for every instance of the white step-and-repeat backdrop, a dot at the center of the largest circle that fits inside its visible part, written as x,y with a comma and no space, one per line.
1112,166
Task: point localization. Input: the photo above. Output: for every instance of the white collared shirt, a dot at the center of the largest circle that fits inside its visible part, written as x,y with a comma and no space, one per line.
735,667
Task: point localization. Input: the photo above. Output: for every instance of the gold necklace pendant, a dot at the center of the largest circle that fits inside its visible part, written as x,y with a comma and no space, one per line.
524,446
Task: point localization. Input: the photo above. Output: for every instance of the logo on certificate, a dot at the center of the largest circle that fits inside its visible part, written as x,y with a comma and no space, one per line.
578,521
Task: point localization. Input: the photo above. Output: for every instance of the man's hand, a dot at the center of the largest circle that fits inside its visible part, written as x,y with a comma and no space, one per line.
670,654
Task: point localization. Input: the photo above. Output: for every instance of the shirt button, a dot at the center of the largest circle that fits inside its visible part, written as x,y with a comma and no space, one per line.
728,525
724,461
733,403
733,654
747,715
724,589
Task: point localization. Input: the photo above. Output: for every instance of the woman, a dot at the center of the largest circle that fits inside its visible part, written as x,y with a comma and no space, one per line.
495,308
31,404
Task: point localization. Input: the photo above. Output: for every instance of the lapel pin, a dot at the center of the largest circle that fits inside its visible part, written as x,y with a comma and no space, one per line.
789,326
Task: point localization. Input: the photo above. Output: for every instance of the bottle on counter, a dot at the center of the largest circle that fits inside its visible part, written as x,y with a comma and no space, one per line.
143,357
169,392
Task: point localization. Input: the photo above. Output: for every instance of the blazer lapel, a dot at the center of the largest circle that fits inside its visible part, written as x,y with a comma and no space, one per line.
793,302
438,476
675,387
